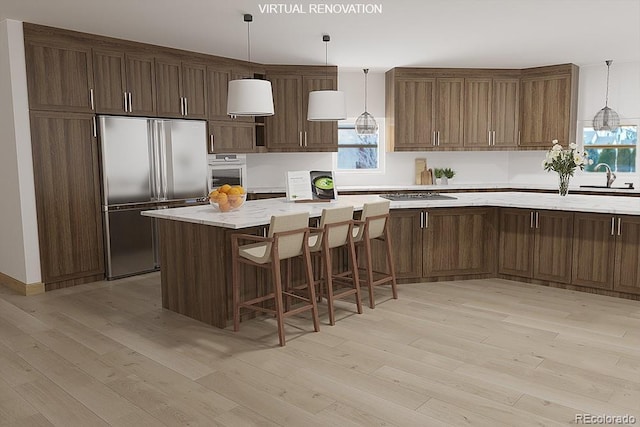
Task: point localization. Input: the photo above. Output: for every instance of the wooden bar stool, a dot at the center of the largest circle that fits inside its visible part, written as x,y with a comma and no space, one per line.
374,224
287,238
335,231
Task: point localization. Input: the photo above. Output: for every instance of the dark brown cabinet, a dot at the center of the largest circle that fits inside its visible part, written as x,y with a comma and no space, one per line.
606,254
59,75
443,242
491,112
288,129
67,189
548,105
218,77
180,88
536,244
231,137
124,82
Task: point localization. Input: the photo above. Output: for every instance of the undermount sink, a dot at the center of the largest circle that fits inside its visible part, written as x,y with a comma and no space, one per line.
610,188
416,196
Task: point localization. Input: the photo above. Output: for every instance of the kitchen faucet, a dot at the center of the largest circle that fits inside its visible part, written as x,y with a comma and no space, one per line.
610,175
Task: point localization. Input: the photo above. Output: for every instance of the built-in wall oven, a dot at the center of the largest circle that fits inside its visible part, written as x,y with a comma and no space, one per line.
227,169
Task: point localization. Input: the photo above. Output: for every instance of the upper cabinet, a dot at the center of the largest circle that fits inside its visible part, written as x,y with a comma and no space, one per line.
548,105
59,73
480,109
491,112
181,88
288,129
218,77
125,82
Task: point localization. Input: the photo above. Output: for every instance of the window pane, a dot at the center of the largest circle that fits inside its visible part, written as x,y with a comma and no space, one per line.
348,136
624,135
619,159
358,158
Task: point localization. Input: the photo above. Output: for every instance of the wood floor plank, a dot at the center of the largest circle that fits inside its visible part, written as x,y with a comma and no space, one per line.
484,352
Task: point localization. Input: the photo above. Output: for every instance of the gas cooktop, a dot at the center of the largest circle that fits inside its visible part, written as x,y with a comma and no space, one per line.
416,196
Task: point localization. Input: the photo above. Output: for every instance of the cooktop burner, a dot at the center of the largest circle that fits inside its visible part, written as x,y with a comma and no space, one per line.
416,196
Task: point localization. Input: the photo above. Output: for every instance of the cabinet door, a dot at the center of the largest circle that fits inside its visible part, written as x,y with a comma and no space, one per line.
545,110
110,81
553,246
627,265
414,113
66,178
318,136
407,244
477,102
515,255
284,128
231,137
59,77
449,112
168,76
459,242
141,84
505,102
217,89
593,250
194,89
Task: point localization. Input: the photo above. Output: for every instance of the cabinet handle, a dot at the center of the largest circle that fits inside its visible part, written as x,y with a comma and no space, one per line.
211,142
619,226
95,127
305,138
494,138
126,107
300,138
181,106
518,138
426,220
613,224
93,105
186,106
531,219
433,138
438,138
421,219
489,137
130,103
537,219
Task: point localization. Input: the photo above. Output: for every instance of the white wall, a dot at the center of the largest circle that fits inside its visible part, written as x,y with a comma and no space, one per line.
524,167
19,252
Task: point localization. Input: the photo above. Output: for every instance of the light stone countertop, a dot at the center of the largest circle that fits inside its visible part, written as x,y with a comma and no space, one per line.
259,212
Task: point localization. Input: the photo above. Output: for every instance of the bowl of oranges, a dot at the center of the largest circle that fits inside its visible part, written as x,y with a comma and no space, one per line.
227,197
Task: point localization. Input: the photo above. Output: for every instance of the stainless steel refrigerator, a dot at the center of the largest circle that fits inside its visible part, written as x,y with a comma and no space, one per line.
146,164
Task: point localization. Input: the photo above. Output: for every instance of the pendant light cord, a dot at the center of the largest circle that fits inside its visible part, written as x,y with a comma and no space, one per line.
366,75
606,98
248,42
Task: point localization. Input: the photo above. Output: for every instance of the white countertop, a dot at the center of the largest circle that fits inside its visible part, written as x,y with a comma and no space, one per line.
455,186
259,212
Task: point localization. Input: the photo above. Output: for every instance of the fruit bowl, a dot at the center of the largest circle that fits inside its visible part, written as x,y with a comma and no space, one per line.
227,198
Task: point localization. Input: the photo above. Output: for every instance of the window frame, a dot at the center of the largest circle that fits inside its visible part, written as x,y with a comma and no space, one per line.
623,122
350,124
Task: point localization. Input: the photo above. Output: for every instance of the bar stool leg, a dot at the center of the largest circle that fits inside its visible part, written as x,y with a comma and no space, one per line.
328,272
354,273
369,267
277,285
311,288
392,270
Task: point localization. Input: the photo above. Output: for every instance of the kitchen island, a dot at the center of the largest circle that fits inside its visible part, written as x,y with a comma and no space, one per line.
589,243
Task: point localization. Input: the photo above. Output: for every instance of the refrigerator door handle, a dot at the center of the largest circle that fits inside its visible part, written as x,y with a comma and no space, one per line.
156,191
163,139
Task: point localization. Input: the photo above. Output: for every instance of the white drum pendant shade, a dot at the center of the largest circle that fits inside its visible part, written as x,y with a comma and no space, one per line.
250,97
326,105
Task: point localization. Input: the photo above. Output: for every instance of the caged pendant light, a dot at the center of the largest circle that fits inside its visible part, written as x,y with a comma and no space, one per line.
365,123
606,119
249,97
326,105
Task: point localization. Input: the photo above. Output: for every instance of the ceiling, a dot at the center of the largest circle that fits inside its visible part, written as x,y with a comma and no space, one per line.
435,33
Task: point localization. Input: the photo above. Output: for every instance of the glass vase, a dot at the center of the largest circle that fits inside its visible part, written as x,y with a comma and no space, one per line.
563,188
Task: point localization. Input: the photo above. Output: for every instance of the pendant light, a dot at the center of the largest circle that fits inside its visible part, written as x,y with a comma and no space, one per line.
326,105
365,123
606,119
249,97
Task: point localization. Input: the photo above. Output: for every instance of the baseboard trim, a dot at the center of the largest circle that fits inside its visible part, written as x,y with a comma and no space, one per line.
26,289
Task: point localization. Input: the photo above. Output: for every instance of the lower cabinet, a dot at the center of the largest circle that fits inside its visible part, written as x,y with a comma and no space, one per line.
536,244
607,252
443,242
67,189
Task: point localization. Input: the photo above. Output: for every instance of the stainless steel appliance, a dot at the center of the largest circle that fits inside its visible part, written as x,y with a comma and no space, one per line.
146,164
227,169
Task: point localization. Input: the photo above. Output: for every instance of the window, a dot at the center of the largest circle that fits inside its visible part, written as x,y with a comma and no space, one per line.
356,152
617,149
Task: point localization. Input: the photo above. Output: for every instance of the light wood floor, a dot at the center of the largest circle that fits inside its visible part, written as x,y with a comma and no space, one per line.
479,352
